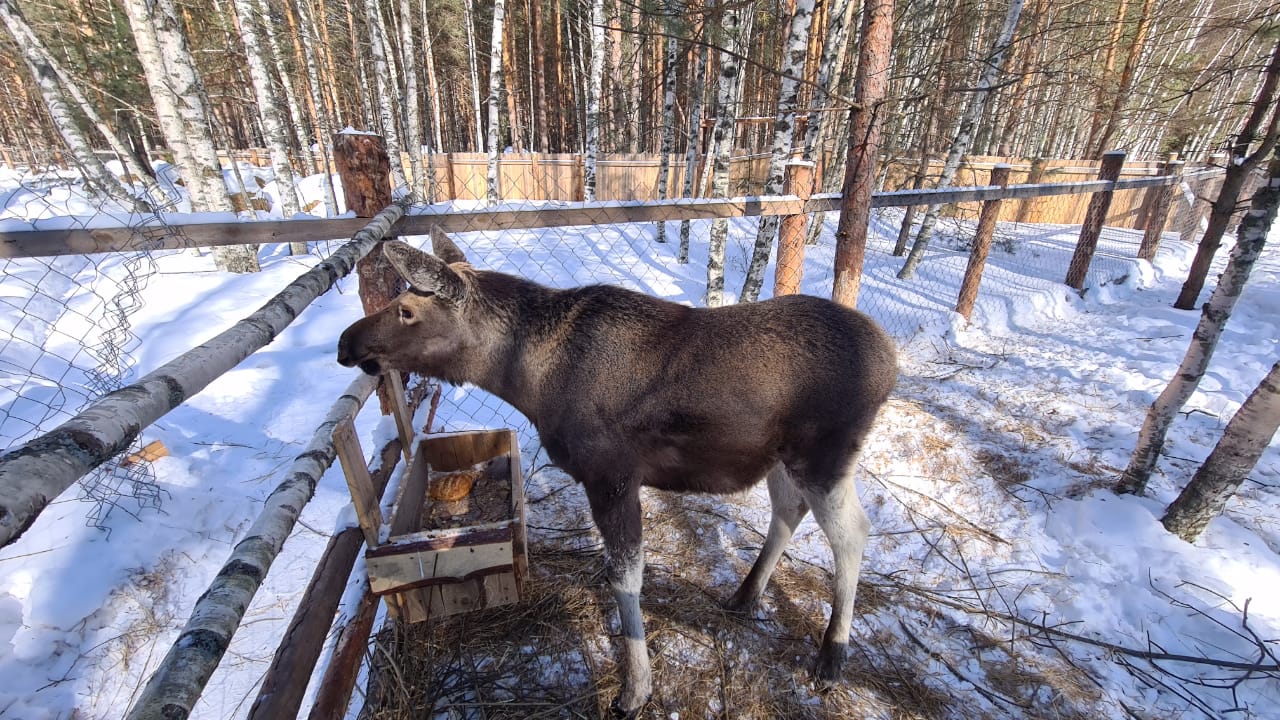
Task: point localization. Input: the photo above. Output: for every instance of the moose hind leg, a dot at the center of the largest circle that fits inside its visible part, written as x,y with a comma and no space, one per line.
789,508
841,517
617,516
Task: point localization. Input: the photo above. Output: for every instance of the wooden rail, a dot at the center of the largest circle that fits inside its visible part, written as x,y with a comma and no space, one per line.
418,221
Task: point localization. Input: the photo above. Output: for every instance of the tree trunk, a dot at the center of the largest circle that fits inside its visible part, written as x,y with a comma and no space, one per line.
492,191
871,82
1236,454
594,96
1251,239
784,125
1126,77
540,76
385,88
693,142
964,134
296,115
268,109
670,59
323,126
409,104
474,67
1239,166
726,122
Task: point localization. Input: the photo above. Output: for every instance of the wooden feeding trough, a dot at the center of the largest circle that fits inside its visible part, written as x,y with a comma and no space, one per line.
455,541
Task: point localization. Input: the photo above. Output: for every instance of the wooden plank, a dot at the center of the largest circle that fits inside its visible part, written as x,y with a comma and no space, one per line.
408,502
400,412
391,573
519,539
359,481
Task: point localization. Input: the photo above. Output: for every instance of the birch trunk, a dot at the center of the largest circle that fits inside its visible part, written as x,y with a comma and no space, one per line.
492,191
52,82
473,66
298,118
538,61
1236,454
33,475
670,59
784,127
182,675
594,90
418,189
268,109
386,89
818,131
324,129
1251,239
1242,162
694,142
964,134
726,124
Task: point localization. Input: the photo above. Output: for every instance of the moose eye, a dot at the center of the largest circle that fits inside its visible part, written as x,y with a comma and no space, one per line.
405,313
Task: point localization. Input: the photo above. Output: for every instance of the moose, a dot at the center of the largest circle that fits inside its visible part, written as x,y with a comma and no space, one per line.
627,390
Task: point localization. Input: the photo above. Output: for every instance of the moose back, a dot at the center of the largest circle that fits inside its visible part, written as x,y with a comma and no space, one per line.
628,390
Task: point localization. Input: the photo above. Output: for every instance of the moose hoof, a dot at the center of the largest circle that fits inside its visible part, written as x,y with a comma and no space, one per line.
741,603
830,663
618,708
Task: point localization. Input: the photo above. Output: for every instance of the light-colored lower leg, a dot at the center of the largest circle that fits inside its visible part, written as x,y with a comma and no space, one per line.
840,515
625,570
789,509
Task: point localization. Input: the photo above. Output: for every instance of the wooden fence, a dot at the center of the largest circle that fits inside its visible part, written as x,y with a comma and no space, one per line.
38,471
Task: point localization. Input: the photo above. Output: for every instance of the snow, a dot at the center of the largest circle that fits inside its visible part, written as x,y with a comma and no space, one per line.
1002,440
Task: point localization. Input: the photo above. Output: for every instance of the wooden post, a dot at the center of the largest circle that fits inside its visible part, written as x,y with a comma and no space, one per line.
1094,218
1034,177
364,167
791,236
981,244
1159,215
450,176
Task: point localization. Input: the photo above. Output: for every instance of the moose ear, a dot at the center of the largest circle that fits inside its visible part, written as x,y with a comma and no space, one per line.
444,248
424,272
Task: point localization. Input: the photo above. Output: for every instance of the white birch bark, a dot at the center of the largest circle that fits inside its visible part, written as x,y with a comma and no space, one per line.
437,114
694,140
784,126
182,675
829,70
409,102
723,137
325,129
474,67
964,134
1245,439
268,108
34,474
386,89
1251,238
492,192
51,83
595,86
672,8
291,102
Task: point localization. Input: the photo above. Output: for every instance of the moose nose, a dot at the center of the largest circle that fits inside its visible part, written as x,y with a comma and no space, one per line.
346,357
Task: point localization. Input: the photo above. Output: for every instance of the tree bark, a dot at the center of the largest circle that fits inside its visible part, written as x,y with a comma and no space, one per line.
730,84
474,67
386,89
418,189
871,81
964,134
492,191
784,126
1245,439
670,59
595,89
693,140
1251,239
1240,164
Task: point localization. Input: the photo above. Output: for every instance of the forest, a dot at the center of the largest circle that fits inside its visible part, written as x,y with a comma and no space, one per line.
136,80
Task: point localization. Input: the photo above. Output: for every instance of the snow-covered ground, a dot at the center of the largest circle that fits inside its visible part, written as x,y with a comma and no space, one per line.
987,482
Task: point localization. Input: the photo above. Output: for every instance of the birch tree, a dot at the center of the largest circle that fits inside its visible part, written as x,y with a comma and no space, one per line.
672,8
324,129
52,82
1245,439
829,64
784,125
1264,119
268,109
493,192
693,140
420,187
595,83
964,134
473,66
386,89
729,84
1251,239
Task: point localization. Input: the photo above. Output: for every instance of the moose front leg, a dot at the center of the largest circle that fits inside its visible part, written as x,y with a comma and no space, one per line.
616,511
